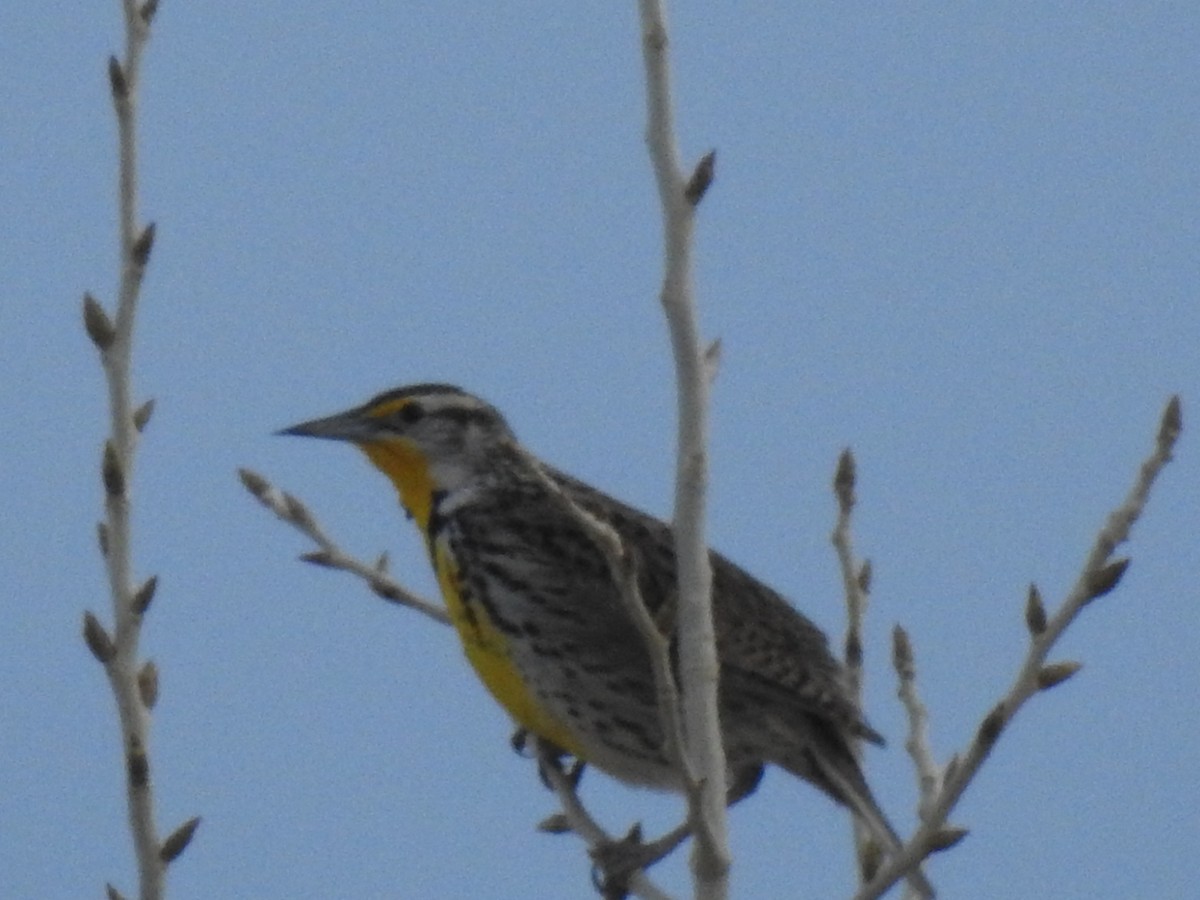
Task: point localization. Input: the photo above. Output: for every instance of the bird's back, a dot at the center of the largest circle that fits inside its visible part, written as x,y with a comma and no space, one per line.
762,640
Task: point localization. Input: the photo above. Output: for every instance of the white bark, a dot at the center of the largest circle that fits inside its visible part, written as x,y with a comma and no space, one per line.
698,666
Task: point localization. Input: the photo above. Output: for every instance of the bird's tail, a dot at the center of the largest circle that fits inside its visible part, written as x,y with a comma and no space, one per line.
843,780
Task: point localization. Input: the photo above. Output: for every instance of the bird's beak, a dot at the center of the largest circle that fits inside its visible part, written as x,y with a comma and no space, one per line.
350,426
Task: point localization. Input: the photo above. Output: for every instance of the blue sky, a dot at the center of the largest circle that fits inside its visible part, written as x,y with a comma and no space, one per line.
963,242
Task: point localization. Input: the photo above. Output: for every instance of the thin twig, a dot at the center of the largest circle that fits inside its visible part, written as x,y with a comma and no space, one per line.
1099,574
917,744
856,588
581,822
853,582
698,665
623,568
292,510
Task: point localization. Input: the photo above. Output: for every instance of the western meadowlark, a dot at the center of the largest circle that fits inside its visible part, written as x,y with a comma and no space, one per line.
541,620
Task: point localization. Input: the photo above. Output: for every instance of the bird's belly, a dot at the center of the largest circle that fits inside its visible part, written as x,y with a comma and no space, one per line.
587,712
488,650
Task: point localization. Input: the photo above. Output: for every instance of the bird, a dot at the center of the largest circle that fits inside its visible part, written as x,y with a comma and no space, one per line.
542,622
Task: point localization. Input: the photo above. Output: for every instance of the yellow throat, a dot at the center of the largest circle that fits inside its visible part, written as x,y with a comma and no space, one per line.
406,466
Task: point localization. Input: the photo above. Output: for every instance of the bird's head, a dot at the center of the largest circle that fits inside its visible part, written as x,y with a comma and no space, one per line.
426,438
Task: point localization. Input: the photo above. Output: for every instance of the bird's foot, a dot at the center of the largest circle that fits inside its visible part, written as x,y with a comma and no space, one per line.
616,861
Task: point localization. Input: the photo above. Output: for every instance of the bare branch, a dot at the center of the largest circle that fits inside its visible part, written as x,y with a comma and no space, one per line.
856,584
698,665
929,774
1099,574
293,511
134,685
855,577
576,818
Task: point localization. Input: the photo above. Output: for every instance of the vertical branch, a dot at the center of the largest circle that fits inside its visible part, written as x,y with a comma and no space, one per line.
698,666
134,252
134,683
918,744
856,582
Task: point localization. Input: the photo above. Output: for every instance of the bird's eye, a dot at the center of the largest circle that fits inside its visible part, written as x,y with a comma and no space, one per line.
410,413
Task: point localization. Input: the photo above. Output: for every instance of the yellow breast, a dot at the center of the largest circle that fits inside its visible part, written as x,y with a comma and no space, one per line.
486,646
487,649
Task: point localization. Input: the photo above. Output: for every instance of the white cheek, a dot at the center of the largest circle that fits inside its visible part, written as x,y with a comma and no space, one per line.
450,475
462,458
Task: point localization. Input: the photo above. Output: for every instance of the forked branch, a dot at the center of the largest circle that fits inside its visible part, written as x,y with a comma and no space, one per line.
1100,574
